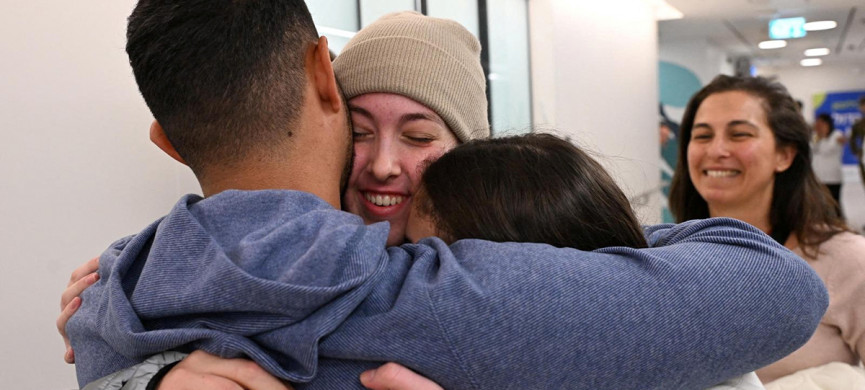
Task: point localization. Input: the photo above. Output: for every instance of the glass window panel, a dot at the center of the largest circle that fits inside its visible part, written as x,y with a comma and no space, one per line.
464,12
370,10
338,14
510,88
335,19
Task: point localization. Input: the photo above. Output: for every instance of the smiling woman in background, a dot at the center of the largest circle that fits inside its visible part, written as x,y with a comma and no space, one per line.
745,154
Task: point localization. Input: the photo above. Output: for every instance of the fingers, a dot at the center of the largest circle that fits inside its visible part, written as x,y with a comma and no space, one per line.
73,290
67,312
84,276
242,373
85,269
69,356
69,304
392,376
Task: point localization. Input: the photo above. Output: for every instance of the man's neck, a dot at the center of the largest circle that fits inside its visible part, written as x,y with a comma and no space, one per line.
283,175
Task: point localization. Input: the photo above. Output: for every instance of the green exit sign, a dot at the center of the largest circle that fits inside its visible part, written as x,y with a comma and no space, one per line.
787,28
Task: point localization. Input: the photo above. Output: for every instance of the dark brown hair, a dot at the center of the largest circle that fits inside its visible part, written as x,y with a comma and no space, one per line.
800,205
827,119
531,188
223,77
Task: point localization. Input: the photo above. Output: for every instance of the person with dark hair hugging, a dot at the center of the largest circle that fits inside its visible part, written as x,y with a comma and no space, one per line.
531,188
266,266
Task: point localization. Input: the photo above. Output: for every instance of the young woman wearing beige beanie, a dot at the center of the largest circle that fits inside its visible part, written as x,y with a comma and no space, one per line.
415,89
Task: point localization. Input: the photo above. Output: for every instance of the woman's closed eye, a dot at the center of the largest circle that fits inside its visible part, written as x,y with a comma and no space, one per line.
420,138
701,135
361,134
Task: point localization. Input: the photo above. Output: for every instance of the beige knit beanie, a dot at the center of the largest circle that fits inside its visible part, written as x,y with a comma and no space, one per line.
433,61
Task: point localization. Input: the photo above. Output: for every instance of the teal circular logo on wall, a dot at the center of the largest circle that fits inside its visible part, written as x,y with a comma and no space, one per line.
677,84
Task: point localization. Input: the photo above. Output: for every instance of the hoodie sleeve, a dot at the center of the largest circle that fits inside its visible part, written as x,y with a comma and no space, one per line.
710,300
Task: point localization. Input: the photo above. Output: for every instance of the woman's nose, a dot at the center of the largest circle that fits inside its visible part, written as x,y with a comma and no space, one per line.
385,163
719,147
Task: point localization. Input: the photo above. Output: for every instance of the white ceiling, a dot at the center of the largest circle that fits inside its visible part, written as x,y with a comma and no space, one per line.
737,26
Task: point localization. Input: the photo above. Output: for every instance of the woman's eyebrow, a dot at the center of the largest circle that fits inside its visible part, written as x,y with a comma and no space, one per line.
738,122
421,116
733,123
361,111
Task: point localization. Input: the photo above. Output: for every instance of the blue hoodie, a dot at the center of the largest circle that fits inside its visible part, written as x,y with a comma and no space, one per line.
313,296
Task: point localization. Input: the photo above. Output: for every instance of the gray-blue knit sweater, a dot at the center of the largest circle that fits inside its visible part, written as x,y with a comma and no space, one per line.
312,295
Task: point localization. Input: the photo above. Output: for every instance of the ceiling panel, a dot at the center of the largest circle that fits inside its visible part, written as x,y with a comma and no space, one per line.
737,26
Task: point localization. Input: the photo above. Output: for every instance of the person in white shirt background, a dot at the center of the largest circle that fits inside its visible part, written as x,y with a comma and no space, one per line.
827,147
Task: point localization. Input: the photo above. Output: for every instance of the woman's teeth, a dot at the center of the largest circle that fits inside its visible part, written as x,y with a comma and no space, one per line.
383,200
721,173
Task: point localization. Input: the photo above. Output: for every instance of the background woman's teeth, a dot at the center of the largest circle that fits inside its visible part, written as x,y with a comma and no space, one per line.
720,173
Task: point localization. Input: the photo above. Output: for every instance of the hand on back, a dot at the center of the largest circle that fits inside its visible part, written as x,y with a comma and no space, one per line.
83,277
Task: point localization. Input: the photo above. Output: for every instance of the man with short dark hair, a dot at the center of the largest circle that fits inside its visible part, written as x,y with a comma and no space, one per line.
266,266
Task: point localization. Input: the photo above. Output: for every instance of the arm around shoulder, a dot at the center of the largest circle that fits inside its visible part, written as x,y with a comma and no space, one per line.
710,300
845,262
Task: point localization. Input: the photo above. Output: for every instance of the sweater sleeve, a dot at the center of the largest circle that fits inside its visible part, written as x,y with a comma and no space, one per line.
847,285
709,300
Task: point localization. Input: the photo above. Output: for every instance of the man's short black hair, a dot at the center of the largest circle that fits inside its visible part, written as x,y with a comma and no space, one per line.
223,77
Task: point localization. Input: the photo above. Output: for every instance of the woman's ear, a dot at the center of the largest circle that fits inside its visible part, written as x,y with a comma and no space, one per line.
158,137
784,158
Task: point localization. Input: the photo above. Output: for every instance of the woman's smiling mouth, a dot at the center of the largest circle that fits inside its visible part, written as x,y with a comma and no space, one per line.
383,200
720,173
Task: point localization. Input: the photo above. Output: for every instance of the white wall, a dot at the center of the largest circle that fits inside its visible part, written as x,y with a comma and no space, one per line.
77,172
803,83
595,79
702,57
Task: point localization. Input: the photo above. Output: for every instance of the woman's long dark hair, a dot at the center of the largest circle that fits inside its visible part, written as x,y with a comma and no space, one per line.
800,205
530,188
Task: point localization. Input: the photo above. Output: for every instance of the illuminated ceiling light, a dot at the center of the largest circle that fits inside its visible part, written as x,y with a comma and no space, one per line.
811,62
817,52
766,45
820,25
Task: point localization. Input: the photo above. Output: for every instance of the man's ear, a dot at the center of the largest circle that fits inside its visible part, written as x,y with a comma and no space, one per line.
323,77
157,136
785,156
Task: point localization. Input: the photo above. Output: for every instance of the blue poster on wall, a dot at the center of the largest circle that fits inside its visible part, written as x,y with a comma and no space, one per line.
844,108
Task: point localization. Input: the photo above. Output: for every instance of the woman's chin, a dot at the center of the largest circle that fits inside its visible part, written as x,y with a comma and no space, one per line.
395,238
